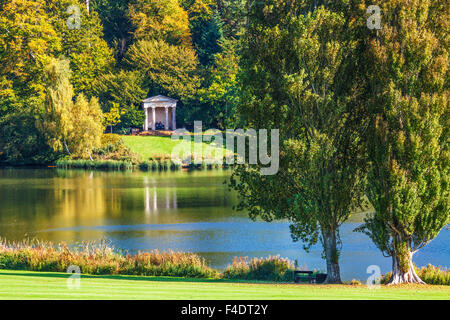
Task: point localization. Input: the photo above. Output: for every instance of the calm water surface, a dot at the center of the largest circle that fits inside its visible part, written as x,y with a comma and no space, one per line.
187,211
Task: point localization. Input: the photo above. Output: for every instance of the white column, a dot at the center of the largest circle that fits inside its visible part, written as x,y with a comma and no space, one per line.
166,125
146,120
174,121
154,119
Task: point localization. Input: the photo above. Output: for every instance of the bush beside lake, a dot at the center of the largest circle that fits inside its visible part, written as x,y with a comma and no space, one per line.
269,269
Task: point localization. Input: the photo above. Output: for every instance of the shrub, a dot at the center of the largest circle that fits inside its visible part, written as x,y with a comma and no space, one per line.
268,269
355,282
113,148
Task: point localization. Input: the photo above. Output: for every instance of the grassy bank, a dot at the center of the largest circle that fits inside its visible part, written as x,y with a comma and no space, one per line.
40,285
150,148
99,258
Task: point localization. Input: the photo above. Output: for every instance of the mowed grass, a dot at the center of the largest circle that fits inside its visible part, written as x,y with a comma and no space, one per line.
47,285
149,146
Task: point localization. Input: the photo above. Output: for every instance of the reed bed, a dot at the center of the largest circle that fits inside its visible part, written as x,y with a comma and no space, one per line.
100,258
94,164
160,165
150,165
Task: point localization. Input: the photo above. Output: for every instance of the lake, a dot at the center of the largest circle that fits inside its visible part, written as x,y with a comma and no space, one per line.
182,211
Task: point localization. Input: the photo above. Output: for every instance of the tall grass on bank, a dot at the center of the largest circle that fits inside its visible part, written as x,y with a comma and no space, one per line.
269,269
429,274
94,164
159,165
99,258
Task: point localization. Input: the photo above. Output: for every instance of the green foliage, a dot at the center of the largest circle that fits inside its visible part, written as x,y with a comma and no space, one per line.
112,117
310,94
407,134
268,269
27,41
116,24
221,95
163,20
73,127
85,47
21,142
87,127
170,69
206,28
32,34
234,15
124,89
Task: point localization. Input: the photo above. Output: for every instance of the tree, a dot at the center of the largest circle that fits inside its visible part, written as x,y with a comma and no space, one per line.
56,123
407,138
87,127
116,24
20,140
123,88
88,52
206,29
310,93
112,117
220,94
27,41
160,20
233,13
74,128
167,68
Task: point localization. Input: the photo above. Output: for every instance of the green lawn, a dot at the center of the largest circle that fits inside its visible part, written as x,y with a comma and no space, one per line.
149,146
47,285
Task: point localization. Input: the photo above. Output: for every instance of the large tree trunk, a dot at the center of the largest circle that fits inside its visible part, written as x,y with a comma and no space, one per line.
332,257
402,266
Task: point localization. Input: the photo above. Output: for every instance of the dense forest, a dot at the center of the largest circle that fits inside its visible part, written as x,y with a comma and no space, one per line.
64,61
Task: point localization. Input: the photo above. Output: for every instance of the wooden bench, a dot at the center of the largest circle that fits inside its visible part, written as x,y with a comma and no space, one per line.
318,278
298,273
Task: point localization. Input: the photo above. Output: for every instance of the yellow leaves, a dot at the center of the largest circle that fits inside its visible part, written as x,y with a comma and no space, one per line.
75,127
160,19
112,117
200,9
172,67
87,127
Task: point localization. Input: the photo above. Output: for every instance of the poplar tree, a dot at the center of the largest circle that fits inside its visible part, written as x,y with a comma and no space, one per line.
408,133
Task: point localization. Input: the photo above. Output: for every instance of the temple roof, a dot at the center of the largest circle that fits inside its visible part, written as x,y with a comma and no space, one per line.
159,98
